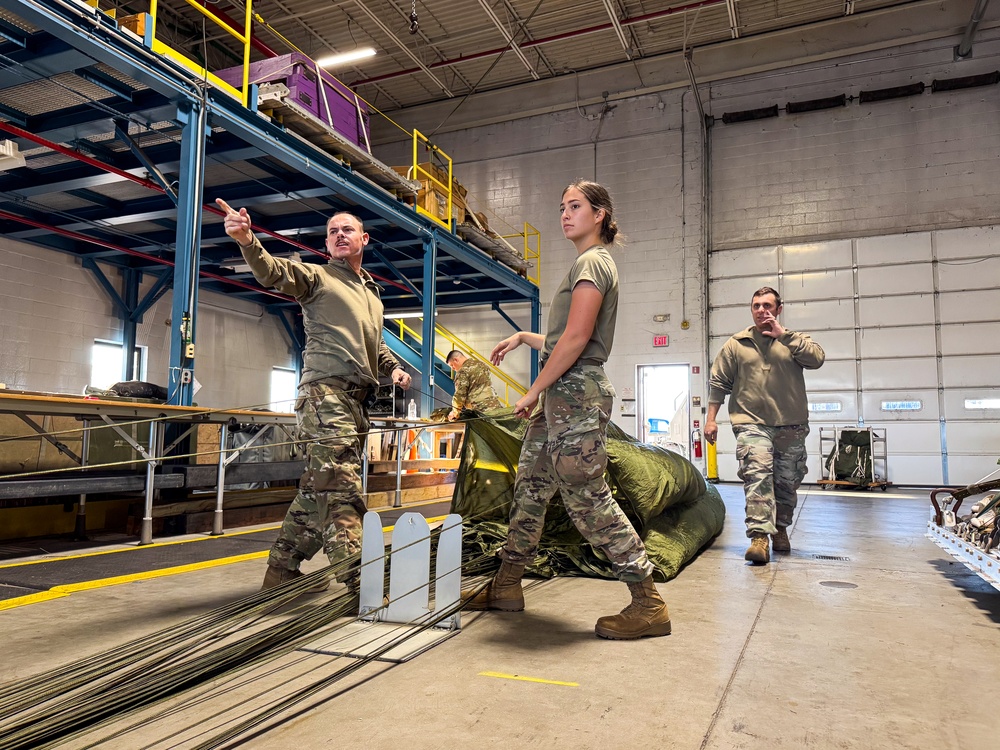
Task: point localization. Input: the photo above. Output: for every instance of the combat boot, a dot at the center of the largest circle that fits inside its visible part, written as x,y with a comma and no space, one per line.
276,576
646,616
758,552
779,541
503,592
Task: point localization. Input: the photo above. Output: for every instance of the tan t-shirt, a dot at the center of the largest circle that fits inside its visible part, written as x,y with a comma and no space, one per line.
594,265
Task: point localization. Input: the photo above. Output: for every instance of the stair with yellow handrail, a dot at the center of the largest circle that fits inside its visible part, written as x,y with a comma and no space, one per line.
454,342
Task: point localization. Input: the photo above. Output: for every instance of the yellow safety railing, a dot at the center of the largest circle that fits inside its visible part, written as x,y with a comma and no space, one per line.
434,185
160,48
531,253
454,342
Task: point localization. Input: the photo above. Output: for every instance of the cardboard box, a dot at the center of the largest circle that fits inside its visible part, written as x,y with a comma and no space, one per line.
135,23
431,196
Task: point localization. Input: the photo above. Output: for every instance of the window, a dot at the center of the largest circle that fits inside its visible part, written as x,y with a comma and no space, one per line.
106,364
825,406
902,405
982,403
283,388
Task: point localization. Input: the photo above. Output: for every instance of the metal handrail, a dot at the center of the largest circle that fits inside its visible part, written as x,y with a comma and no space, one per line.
531,253
422,175
160,48
456,343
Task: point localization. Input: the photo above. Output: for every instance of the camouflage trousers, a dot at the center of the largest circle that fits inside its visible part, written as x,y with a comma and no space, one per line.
772,463
564,451
327,511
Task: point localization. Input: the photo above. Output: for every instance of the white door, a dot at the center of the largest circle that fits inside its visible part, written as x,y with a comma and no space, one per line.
662,409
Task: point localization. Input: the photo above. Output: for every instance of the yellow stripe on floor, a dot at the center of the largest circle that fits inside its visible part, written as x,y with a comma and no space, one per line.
57,592
65,590
502,676
132,548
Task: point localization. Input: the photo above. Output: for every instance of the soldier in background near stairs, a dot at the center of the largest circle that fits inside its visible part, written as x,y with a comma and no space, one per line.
343,358
473,385
568,408
761,369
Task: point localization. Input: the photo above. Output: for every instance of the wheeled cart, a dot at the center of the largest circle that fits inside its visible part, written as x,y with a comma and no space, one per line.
855,457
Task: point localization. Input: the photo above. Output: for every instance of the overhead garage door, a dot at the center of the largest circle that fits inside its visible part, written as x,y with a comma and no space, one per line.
911,328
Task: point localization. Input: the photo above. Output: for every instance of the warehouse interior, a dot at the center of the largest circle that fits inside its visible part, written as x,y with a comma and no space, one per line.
837,151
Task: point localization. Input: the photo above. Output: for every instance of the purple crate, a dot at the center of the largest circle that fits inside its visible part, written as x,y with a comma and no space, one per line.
299,74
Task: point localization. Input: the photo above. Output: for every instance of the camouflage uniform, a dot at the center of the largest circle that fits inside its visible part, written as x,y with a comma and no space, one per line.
564,452
769,413
474,388
327,511
772,464
343,357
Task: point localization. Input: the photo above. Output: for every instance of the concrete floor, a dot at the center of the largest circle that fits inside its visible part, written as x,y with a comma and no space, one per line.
896,646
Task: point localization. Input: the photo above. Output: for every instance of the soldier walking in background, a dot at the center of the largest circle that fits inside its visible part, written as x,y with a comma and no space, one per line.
761,369
473,385
343,358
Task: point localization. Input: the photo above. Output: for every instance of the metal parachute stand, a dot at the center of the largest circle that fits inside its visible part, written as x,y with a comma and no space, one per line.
407,619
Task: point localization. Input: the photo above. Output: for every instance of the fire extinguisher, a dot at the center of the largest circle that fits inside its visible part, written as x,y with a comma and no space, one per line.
696,442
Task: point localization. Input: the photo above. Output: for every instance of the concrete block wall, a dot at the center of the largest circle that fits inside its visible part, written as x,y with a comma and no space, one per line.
50,305
909,164
53,309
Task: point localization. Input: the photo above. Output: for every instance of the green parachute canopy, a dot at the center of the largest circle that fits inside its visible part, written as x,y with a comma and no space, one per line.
664,496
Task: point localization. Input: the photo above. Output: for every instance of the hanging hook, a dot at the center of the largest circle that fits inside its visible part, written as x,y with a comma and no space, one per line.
414,22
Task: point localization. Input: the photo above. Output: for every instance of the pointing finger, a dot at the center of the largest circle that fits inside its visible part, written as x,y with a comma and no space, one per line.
225,206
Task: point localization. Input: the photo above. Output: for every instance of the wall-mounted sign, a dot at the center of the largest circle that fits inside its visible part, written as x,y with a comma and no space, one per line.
695,370
661,340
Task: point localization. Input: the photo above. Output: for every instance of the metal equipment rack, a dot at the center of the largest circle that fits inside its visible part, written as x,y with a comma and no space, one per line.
829,441
976,547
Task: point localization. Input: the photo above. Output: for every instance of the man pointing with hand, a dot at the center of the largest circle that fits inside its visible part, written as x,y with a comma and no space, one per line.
343,357
762,368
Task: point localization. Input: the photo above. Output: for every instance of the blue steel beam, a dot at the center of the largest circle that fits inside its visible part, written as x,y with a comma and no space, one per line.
125,55
536,324
131,278
121,130
414,359
393,270
427,334
193,118
120,307
159,288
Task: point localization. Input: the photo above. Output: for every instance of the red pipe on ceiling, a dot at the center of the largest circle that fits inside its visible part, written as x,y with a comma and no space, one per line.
546,40
150,185
128,251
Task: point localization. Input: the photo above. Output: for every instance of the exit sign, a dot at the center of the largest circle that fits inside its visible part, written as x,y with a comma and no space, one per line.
663,340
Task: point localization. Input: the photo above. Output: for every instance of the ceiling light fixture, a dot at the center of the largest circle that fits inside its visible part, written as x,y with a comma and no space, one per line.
346,57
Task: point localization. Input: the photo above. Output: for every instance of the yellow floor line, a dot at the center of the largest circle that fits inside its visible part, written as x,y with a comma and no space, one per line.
133,547
57,592
65,590
502,676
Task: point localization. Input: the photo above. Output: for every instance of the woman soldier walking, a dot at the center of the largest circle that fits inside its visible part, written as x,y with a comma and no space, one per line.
569,406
